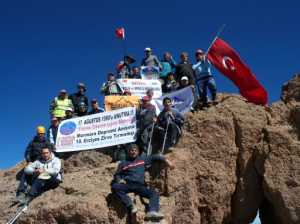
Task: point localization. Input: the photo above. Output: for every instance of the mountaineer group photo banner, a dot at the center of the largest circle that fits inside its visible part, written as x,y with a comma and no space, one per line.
139,87
97,130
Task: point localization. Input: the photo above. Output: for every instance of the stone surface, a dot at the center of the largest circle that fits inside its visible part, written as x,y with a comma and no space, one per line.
232,160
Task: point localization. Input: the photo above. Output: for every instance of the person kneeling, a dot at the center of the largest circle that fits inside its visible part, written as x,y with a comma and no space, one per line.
130,178
46,175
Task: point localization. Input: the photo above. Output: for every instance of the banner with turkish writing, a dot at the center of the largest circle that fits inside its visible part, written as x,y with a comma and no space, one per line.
228,62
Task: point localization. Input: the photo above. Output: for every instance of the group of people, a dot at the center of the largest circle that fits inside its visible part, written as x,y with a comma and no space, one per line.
43,169
173,76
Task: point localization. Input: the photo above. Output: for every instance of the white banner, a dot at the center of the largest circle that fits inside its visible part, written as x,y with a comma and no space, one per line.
150,72
97,130
182,100
139,87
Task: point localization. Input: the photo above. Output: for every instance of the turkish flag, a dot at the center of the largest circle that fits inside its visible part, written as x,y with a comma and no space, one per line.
228,62
120,33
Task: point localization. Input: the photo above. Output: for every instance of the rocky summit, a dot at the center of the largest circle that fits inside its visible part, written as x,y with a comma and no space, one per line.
234,159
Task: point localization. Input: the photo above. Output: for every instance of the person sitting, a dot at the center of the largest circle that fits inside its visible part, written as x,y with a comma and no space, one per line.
204,78
60,104
146,118
135,73
171,84
130,177
79,97
111,87
32,153
150,59
170,120
95,107
184,82
185,68
168,65
45,173
83,110
52,130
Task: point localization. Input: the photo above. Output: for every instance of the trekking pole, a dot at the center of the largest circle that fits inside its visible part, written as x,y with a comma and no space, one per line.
19,213
165,137
149,149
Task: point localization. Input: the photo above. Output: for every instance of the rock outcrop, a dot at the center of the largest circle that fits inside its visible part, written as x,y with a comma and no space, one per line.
234,159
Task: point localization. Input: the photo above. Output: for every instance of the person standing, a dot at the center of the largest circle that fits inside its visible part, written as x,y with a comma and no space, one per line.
95,107
60,104
79,97
52,130
150,59
204,77
185,68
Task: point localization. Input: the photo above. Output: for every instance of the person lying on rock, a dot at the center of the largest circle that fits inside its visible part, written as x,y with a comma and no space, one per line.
45,174
129,178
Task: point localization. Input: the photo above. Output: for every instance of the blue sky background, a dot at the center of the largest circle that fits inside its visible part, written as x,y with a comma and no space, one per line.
49,45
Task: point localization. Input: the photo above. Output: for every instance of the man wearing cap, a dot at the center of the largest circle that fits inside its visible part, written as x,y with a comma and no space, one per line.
95,107
82,110
45,173
172,120
39,141
130,177
184,82
111,87
204,78
60,104
150,59
79,97
146,118
185,68
123,67
52,130
69,113
32,153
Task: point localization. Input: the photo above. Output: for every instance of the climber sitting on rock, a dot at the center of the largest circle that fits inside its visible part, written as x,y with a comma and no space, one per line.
45,173
170,120
130,178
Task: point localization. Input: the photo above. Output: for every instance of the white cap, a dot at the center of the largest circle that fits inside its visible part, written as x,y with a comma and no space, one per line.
148,49
185,78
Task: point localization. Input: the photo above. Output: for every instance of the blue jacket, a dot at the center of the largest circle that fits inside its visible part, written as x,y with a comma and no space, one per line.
133,171
202,70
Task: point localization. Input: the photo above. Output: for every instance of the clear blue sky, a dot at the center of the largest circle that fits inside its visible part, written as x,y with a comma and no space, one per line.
49,45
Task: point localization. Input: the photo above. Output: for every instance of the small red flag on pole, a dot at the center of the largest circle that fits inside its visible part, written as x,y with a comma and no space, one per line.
120,33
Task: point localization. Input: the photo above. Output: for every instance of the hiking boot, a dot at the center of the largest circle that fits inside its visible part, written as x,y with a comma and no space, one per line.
154,215
21,197
26,200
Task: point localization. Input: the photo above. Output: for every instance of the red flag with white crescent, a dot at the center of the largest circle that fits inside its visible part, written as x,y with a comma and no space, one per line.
228,62
120,33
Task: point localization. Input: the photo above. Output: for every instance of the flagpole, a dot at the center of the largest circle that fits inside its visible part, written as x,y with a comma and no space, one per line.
124,47
218,34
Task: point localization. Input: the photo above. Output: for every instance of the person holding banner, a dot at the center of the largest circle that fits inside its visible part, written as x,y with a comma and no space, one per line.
130,177
146,119
111,87
171,121
95,107
204,78
171,84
